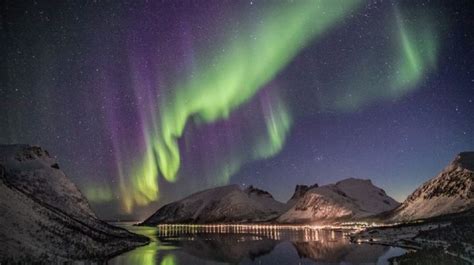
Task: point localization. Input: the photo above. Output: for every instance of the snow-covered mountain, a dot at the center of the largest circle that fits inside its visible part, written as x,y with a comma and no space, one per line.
451,191
45,218
221,204
349,198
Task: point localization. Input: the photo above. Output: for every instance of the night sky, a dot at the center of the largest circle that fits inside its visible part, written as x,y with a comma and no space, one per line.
144,102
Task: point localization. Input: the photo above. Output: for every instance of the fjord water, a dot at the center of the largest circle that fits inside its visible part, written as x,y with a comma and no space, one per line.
267,245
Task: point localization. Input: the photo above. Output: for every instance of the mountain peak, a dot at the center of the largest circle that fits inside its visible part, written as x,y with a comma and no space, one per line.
22,152
220,204
348,198
465,160
36,195
451,191
32,170
300,190
251,190
355,181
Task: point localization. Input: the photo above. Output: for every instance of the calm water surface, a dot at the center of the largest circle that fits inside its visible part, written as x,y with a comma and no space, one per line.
173,245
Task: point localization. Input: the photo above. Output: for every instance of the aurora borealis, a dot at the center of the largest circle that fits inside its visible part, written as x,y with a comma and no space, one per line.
145,102
223,82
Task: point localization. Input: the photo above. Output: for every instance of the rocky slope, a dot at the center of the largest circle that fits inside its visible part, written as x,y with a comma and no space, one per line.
300,190
221,204
451,191
347,199
45,218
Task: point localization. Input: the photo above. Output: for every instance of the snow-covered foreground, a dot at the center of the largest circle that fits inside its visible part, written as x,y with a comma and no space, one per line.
45,219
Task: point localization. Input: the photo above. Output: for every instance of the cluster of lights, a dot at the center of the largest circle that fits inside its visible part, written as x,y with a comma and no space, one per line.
258,231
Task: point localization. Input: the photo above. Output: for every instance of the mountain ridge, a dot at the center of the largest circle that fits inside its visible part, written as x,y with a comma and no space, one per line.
451,191
350,198
208,206
221,204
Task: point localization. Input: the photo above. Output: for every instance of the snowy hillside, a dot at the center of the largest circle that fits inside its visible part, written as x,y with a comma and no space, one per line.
44,217
349,198
450,191
221,204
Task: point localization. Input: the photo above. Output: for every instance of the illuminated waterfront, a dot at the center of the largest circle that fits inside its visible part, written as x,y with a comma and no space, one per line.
174,244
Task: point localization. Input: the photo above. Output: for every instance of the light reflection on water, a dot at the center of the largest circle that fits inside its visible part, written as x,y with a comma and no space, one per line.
250,244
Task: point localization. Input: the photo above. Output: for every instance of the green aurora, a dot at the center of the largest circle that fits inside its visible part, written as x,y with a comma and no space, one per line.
412,54
224,81
228,80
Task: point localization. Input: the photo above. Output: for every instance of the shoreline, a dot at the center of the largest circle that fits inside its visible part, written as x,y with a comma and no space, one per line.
405,237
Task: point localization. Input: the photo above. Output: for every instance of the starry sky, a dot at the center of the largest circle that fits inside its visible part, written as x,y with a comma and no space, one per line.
144,102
